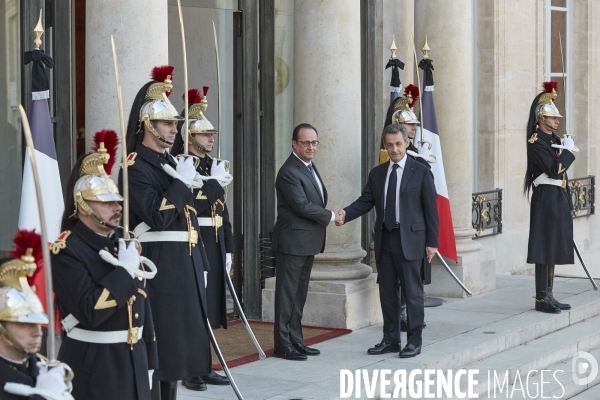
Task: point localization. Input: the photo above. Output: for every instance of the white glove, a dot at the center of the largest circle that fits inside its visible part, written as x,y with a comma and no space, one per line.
228,262
218,170
205,279
150,373
52,380
425,153
568,142
128,254
198,180
185,168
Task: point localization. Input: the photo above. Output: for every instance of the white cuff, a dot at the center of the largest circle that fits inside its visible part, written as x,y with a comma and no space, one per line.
332,216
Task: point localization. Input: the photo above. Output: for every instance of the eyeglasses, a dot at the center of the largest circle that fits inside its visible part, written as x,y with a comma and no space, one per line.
314,143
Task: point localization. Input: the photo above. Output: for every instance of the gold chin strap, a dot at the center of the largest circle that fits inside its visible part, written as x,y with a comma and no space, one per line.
86,207
196,144
146,120
12,341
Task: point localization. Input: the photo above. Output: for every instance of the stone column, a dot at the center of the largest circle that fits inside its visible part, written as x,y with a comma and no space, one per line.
327,87
141,40
449,31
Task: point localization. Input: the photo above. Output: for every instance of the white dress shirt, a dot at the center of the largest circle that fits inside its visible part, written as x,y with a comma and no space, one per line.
319,184
399,173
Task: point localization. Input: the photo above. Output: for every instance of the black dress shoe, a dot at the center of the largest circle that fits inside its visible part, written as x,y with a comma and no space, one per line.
304,349
289,353
194,383
384,347
410,350
215,379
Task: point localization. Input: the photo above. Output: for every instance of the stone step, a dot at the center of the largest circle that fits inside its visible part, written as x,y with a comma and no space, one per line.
593,393
554,349
558,384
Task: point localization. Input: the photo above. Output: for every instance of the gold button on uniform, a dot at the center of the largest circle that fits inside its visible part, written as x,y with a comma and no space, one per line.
137,315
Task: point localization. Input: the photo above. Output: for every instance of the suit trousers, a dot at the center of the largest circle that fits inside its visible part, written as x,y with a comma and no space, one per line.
393,267
291,289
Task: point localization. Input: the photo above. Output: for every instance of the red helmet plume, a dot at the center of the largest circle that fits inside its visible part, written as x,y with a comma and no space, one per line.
111,141
205,89
160,74
24,240
193,96
414,92
548,86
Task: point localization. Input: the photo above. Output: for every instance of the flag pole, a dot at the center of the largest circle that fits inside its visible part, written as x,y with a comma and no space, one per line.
420,87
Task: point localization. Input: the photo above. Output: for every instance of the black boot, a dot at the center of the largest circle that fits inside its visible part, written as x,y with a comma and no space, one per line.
543,302
168,390
558,304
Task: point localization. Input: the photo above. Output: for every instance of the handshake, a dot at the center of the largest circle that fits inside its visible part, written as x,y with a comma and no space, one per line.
340,216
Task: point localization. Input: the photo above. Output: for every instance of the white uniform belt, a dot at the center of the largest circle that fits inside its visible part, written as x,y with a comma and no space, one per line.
101,337
205,221
165,236
544,179
142,234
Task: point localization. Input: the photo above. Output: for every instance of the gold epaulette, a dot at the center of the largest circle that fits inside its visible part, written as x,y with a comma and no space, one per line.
60,243
131,159
533,138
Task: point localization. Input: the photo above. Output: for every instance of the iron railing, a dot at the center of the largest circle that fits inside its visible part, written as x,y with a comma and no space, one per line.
487,213
582,195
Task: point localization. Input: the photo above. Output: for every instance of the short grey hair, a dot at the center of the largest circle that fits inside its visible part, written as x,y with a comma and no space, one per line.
394,128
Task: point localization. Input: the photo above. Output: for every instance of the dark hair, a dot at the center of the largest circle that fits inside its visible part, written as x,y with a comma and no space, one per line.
133,125
391,129
68,223
531,128
302,126
390,112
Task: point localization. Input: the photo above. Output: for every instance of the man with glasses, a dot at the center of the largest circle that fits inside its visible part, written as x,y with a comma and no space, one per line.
299,234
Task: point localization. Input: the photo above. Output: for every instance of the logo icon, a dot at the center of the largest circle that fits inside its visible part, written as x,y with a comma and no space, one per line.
584,368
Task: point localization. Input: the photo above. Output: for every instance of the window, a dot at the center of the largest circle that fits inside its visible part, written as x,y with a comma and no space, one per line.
558,34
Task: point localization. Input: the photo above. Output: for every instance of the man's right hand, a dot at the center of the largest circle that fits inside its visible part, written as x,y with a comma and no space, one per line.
185,168
129,255
340,216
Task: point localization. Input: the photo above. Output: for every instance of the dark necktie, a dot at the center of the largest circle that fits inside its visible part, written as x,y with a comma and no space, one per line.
310,168
390,200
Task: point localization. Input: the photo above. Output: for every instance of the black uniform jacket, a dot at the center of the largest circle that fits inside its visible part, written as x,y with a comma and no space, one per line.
419,222
301,215
217,244
24,373
550,220
96,293
177,291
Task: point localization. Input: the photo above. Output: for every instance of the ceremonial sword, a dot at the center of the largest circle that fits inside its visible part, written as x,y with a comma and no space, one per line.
584,267
467,291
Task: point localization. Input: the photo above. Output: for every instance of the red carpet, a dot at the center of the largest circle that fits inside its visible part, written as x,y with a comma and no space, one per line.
238,349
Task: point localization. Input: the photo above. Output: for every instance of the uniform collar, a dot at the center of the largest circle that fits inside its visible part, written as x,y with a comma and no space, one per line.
93,239
551,138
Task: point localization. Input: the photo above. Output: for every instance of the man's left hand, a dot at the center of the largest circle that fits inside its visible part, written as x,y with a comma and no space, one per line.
430,253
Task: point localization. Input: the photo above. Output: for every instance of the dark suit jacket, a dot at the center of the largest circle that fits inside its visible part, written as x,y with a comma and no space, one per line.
418,209
301,214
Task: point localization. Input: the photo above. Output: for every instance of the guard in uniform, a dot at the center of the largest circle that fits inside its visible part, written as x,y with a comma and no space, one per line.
213,219
400,112
21,319
163,212
551,223
107,328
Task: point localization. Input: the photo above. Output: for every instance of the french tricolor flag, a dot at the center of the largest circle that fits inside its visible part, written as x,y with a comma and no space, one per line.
45,156
431,134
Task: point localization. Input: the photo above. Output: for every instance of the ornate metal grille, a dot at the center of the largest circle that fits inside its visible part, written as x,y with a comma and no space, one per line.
487,213
582,195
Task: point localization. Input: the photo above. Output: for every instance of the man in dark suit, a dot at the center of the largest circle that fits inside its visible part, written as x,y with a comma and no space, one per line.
299,235
406,231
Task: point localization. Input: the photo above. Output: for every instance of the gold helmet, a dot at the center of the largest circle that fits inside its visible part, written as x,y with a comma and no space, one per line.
403,113
94,183
546,107
18,301
158,107
198,122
